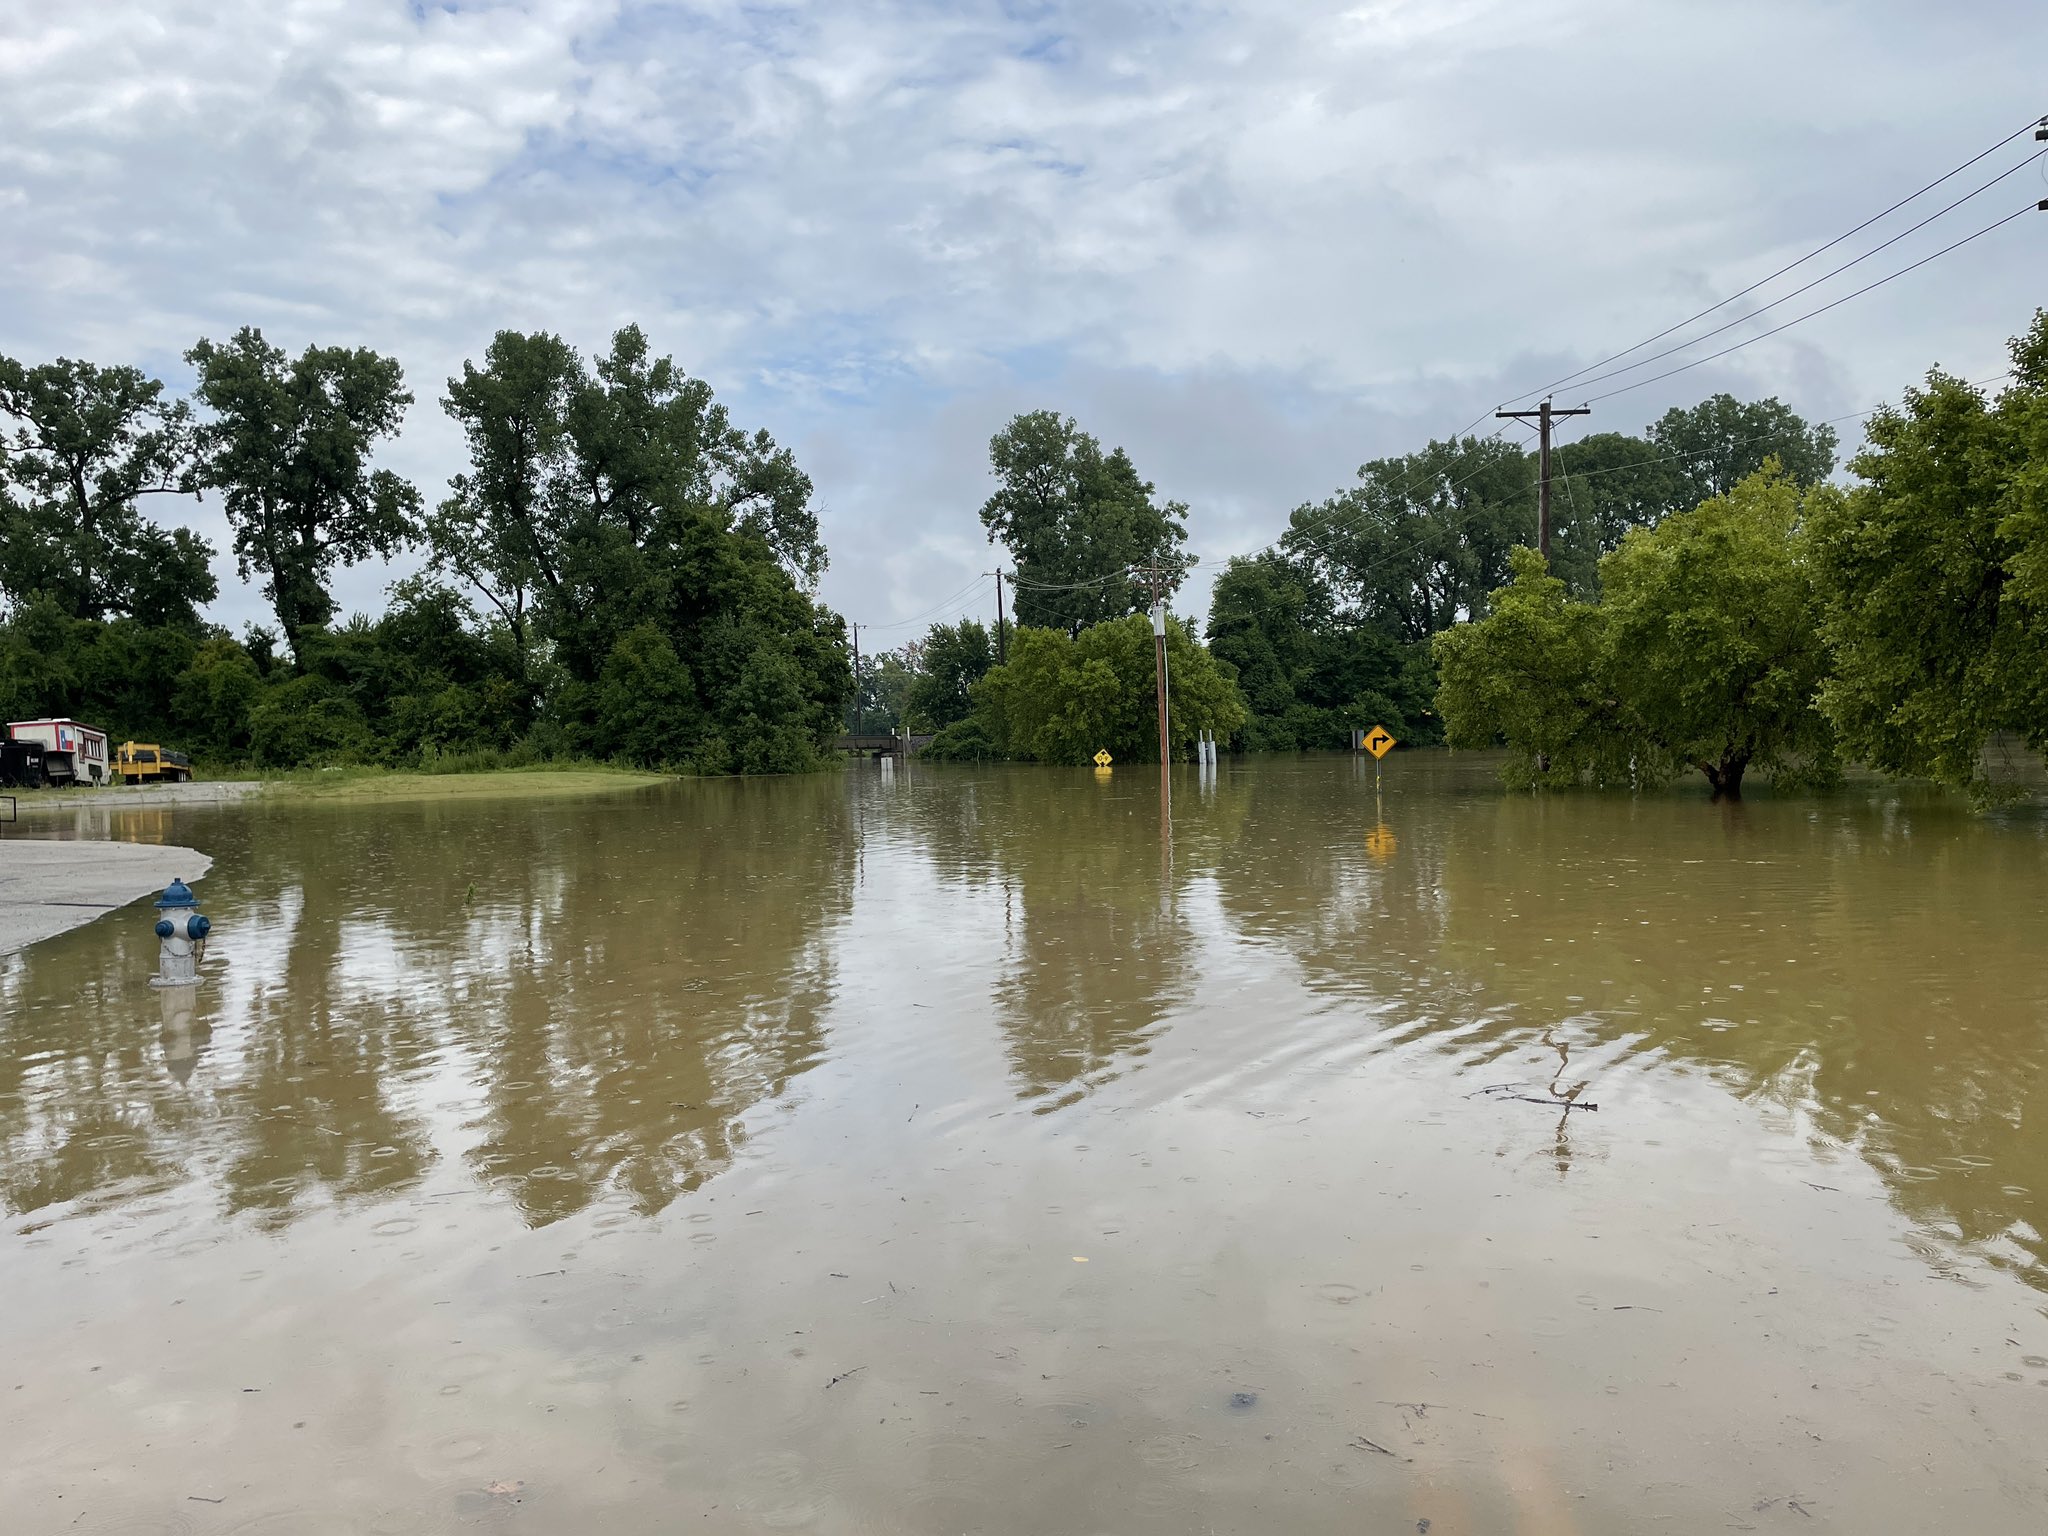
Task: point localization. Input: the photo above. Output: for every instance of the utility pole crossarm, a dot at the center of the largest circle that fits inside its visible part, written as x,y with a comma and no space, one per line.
1544,414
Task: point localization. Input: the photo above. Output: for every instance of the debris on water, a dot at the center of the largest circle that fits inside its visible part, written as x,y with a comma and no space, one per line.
505,1488
842,1376
1422,1526
1363,1444
1505,1091
1242,1402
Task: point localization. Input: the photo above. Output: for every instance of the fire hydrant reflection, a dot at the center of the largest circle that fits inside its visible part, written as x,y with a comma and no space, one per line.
182,932
184,1037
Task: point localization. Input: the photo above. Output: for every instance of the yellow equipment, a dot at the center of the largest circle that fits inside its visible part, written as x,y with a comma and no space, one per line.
144,762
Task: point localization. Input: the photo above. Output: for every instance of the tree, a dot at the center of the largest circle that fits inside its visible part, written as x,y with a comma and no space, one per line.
1308,677
1936,576
1603,485
87,444
951,659
1714,629
1723,441
500,527
651,441
1418,544
288,445
1075,521
1705,652
1061,697
1532,676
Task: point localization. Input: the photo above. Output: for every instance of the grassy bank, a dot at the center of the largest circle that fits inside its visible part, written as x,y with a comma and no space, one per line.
540,781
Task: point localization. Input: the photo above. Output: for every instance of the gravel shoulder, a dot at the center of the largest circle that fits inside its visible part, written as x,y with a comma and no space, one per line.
48,886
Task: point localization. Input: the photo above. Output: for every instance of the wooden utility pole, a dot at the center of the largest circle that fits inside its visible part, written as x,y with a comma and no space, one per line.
1543,414
1002,650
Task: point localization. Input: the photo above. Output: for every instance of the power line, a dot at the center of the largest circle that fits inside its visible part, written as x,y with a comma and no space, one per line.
1808,287
1818,250
1823,309
949,605
1761,437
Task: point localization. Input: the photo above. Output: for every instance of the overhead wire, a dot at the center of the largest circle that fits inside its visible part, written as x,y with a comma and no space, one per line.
2028,127
1820,310
1809,287
972,589
1295,532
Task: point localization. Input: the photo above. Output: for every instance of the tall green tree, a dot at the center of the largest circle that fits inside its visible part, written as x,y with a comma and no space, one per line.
1309,678
619,522
1422,539
1075,521
1936,575
1705,652
83,444
1603,485
501,527
1722,441
951,659
288,443
1060,698
1714,624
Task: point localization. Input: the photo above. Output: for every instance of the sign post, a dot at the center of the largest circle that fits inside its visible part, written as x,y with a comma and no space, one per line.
1379,741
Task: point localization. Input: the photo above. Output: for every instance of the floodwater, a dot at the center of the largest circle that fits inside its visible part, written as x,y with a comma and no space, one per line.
931,1150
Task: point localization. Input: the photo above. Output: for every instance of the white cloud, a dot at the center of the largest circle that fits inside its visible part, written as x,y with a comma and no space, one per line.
1255,243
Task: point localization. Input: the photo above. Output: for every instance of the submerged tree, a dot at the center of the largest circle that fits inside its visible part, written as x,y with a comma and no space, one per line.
1705,653
1076,521
87,443
1714,634
1309,679
288,445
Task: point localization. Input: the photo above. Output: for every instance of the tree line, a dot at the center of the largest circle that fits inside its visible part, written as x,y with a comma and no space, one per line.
620,571
1715,601
1790,625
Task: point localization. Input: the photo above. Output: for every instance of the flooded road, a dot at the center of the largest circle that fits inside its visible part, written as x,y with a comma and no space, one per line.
934,1151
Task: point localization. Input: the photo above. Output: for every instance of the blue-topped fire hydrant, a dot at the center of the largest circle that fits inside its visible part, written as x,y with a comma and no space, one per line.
182,929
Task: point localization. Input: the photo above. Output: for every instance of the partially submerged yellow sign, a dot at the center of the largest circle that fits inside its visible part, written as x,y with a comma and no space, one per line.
1102,758
1379,741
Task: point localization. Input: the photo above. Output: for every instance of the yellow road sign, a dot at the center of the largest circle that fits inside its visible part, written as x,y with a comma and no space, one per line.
1378,741
1102,758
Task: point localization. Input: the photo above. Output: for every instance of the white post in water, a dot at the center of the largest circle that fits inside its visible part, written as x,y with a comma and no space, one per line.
181,932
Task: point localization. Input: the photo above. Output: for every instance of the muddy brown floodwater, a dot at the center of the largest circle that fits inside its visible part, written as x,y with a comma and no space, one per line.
929,1152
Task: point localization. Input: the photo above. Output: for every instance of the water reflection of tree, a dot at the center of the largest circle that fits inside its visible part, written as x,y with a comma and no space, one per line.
640,1002
1870,969
1099,947
76,1121
618,984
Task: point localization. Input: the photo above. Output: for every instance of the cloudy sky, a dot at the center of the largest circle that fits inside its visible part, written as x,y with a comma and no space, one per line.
1253,243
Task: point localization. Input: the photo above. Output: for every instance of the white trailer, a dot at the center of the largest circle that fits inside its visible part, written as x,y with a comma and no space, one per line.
72,753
